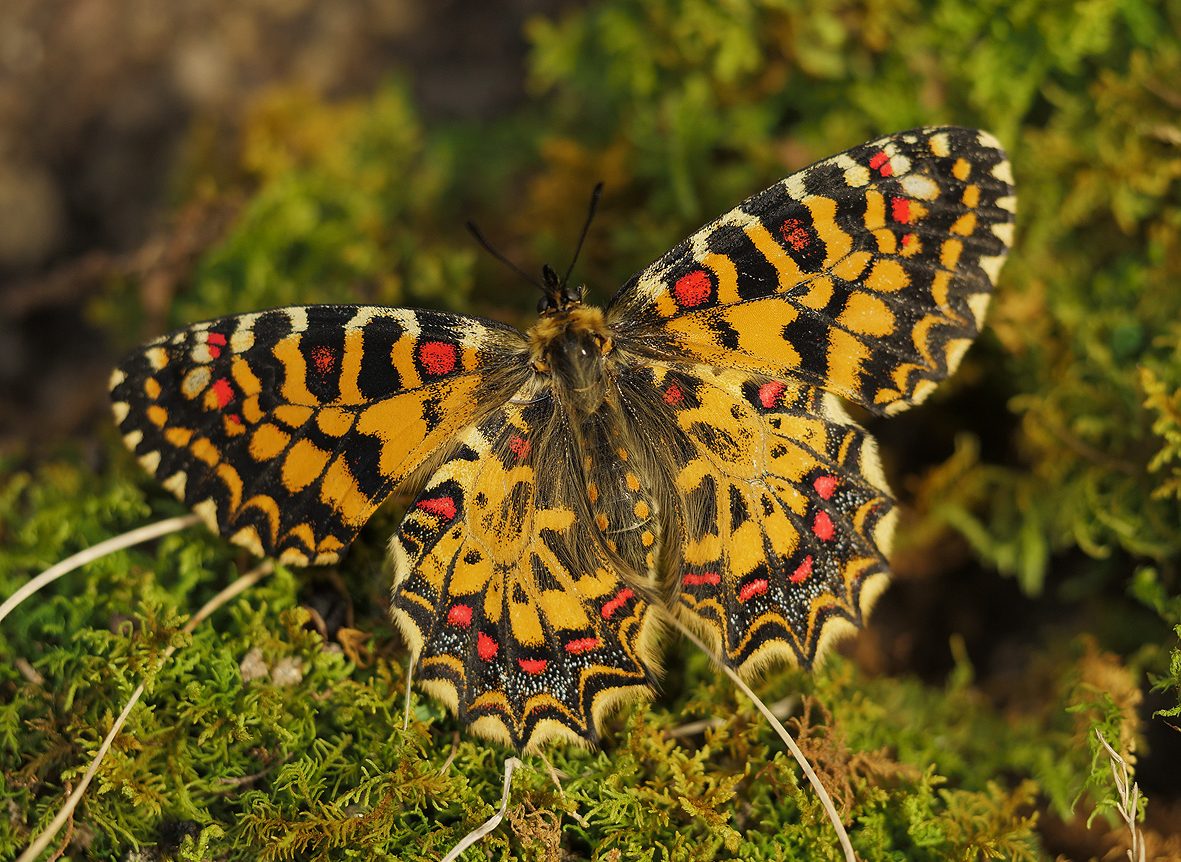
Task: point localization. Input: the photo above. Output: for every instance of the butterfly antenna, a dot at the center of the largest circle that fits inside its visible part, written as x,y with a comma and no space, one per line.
590,214
480,238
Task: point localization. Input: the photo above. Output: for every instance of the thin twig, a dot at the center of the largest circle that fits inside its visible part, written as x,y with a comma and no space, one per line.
409,679
450,757
241,584
493,821
556,778
813,779
1129,795
118,543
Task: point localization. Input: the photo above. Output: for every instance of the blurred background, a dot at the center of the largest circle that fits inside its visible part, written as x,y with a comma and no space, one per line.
163,163
106,109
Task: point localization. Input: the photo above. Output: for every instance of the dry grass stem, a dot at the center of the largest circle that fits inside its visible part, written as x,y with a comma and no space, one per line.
1129,795
118,543
67,810
813,779
493,821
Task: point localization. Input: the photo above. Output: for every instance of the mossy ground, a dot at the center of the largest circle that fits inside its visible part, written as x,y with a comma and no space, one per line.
1038,593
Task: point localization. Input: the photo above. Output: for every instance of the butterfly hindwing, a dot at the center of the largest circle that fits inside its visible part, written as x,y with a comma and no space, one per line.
520,617
782,516
286,429
866,274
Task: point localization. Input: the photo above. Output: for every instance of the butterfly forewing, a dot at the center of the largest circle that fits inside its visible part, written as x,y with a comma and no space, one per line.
866,274
286,429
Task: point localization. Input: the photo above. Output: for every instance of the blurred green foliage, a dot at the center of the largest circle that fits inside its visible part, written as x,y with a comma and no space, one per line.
1069,449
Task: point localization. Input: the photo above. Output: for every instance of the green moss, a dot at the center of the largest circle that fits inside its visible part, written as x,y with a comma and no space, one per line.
1066,471
342,200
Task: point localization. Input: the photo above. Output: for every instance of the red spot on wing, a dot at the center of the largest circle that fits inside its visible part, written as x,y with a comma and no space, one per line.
216,338
900,209
880,162
673,395
616,603
520,446
908,240
769,393
460,615
582,645
693,289
486,648
444,507
822,527
214,342
235,418
803,570
754,588
223,391
532,665
323,359
795,233
438,357
694,579
825,486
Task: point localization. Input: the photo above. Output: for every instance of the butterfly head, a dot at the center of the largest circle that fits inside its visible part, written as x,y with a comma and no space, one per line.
558,296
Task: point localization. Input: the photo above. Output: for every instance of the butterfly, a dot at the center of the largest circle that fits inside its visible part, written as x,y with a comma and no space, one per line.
682,452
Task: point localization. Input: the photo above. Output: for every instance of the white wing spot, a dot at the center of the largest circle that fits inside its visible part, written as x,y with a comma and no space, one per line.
940,145
920,187
989,141
151,461
207,510
1004,172
978,302
1004,232
157,357
242,339
176,483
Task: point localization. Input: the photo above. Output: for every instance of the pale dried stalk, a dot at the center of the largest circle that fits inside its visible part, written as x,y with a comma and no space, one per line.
118,543
42,841
1129,795
493,821
813,778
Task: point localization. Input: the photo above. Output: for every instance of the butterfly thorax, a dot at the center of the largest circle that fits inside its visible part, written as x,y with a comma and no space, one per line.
571,346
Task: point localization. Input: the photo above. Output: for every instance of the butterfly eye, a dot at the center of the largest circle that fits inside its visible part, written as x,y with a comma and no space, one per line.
571,295
545,304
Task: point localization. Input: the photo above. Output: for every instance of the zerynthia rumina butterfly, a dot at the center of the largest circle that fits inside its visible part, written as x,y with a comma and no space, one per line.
681,452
